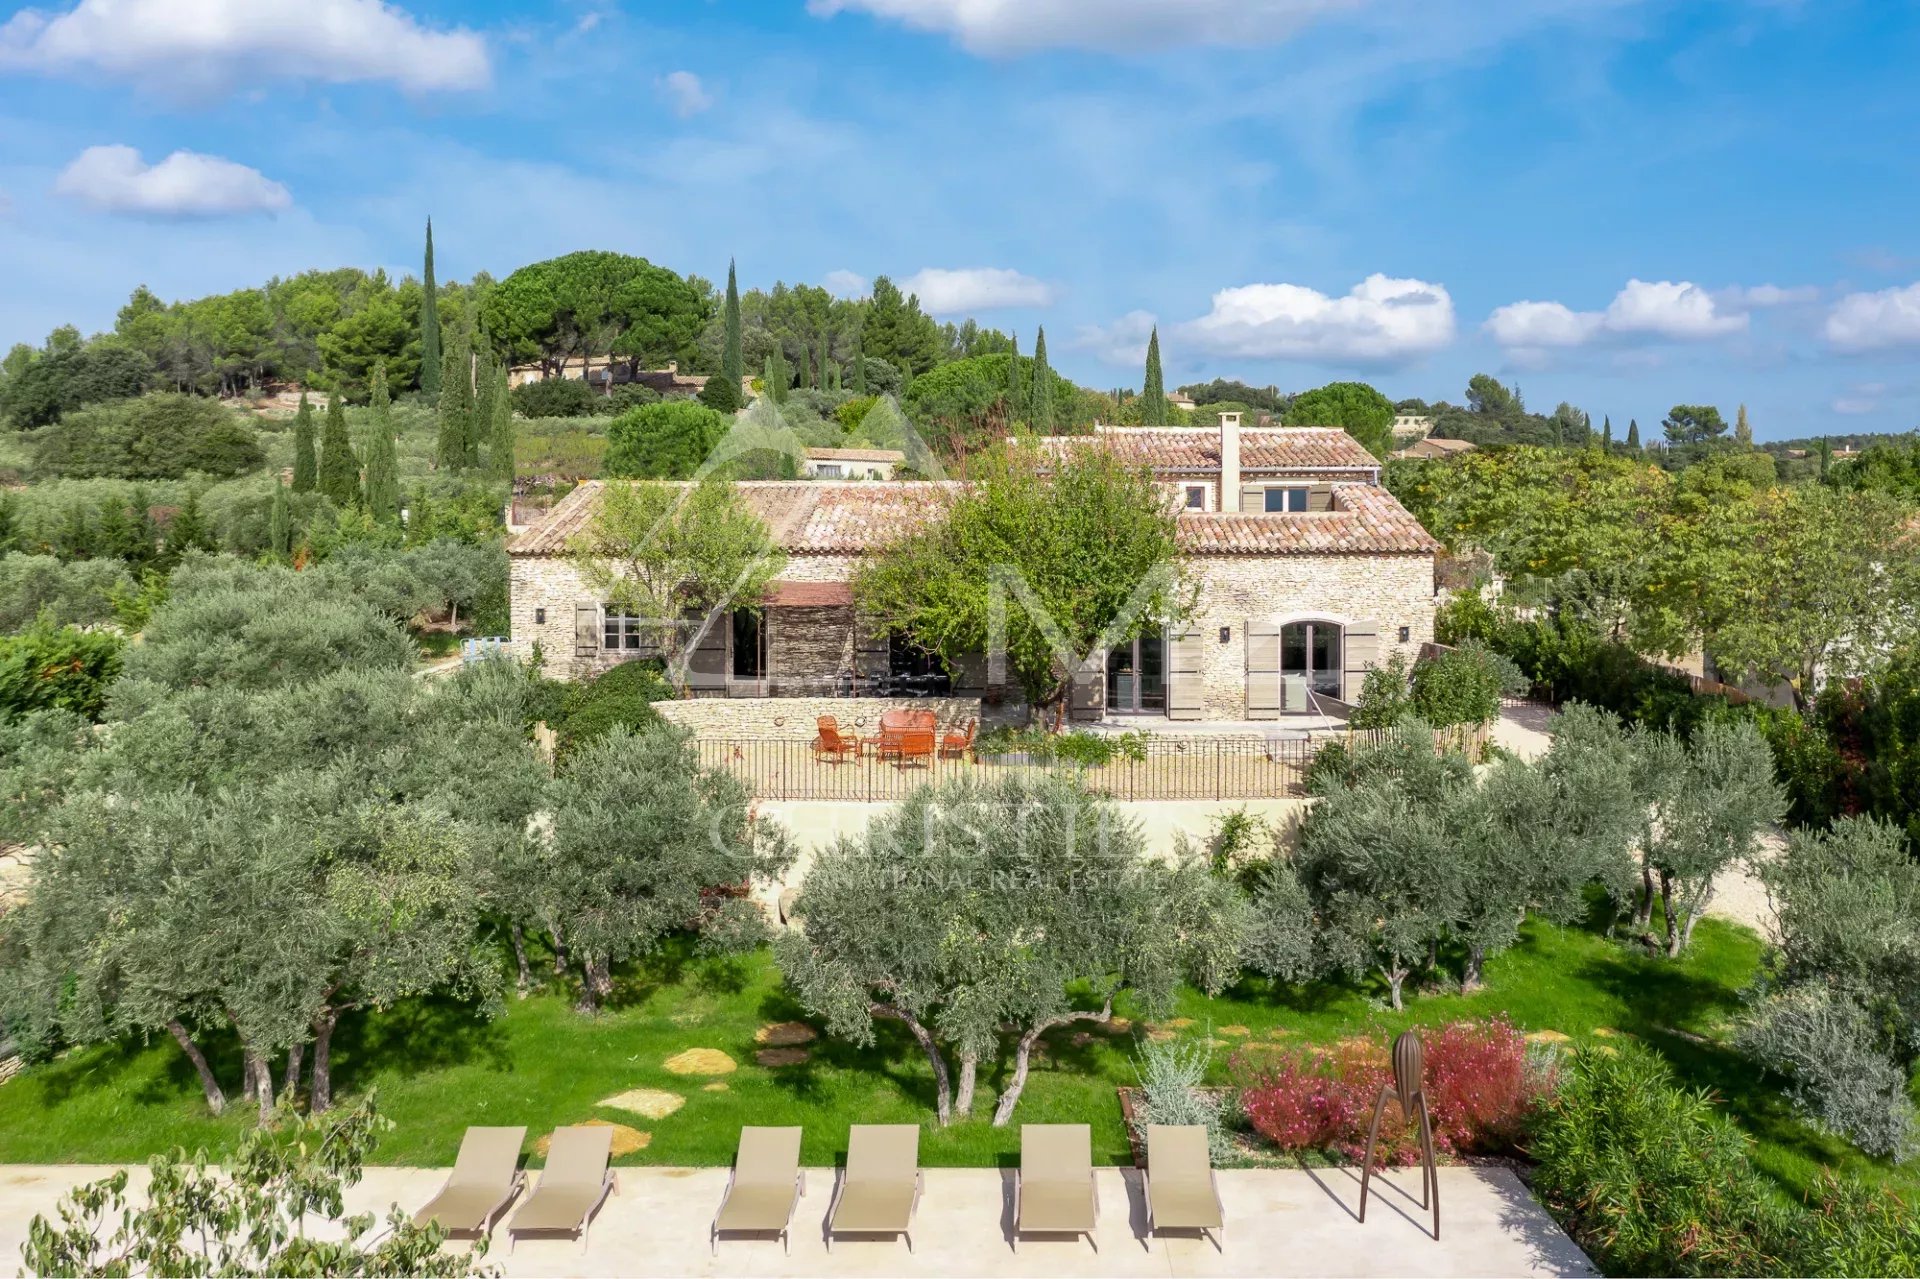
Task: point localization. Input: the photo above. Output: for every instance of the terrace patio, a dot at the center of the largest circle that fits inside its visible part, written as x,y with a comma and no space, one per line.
1279,1222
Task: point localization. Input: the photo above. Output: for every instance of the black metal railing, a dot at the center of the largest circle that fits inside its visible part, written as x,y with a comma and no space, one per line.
1210,768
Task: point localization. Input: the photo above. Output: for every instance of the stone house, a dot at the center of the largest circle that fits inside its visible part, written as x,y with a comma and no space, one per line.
1308,573
851,464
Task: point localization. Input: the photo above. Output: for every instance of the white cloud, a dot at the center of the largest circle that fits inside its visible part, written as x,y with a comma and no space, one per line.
1019,26
685,92
1876,321
1761,296
185,184
202,45
1381,320
1124,342
980,288
1679,310
1862,397
846,284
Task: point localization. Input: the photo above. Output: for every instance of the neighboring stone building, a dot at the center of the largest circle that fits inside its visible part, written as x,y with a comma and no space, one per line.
851,464
1308,574
1431,448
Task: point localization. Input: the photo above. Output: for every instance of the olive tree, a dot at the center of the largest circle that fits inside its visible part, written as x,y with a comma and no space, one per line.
645,842
977,909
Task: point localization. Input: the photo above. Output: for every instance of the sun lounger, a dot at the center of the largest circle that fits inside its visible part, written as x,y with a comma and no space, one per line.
1053,1192
880,1186
486,1176
1181,1191
765,1185
575,1182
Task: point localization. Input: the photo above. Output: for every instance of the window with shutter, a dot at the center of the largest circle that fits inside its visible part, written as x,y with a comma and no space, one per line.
586,630
1186,680
1263,670
1362,655
1086,695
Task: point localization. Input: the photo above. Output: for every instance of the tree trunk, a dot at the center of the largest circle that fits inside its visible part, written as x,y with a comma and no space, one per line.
963,1091
942,1088
322,1095
260,1082
290,1082
216,1097
1673,920
1396,978
525,977
1643,912
559,950
595,983
1473,979
1023,1056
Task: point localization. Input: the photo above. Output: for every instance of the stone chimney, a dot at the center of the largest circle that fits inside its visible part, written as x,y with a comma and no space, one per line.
1230,462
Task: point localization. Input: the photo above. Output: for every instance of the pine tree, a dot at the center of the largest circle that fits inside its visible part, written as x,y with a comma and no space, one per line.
1042,405
339,469
732,362
1742,429
500,442
383,463
1633,435
188,530
1606,434
114,533
1153,394
306,471
279,522
430,353
145,536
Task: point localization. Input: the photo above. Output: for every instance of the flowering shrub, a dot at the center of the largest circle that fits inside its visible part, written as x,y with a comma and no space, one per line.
1481,1091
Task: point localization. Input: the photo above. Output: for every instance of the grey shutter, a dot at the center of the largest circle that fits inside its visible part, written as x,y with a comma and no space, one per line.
586,630
1320,497
1253,499
1361,648
1263,670
1087,694
1186,692
707,662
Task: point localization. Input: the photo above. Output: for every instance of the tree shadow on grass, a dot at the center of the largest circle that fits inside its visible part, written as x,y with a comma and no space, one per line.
415,1037
1658,994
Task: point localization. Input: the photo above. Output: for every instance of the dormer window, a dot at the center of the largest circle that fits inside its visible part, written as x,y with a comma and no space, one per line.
1285,500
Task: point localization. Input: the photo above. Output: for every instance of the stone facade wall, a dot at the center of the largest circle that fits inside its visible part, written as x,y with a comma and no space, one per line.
794,718
1380,592
810,643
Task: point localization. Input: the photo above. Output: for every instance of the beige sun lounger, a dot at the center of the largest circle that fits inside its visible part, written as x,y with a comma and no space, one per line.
1053,1191
879,1189
575,1182
486,1176
1182,1193
765,1186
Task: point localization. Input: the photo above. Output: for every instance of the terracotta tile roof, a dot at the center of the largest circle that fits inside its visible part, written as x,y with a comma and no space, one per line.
1190,449
857,518
856,455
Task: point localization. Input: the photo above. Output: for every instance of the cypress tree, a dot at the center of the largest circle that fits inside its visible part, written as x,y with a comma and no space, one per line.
383,463
430,354
188,530
1606,434
145,535
500,430
456,411
859,363
1826,457
732,363
279,522
1153,394
1742,429
778,376
306,471
480,422
1633,434
1042,412
1016,387
339,469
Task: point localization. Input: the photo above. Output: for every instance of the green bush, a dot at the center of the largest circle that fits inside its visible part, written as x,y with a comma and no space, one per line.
621,697
1649,1179
156,437
57,668
1090,750
1838,1073
665,441
1386,695
80,593
61,381
555,397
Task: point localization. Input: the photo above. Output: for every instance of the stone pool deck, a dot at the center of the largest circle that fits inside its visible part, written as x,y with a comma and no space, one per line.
1279,1222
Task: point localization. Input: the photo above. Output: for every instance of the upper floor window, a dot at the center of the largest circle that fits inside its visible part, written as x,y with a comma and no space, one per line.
1287,499
1196,497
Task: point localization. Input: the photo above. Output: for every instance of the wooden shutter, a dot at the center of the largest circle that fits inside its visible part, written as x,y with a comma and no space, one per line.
1087,695
1253,499
1263,670
1361,648
586,630
1320,497
1186,679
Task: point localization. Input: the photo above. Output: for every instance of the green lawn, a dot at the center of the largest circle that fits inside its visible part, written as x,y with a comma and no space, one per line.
439,1068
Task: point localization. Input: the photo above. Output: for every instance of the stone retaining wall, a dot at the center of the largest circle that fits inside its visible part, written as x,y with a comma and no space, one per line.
794,718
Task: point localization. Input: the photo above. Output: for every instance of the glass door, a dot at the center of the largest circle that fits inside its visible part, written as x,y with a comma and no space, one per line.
1310,660
1137,677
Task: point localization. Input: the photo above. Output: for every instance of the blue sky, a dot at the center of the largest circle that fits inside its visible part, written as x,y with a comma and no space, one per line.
1619,203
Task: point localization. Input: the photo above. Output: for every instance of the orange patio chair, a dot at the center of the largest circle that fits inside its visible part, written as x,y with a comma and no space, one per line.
955,745
831,744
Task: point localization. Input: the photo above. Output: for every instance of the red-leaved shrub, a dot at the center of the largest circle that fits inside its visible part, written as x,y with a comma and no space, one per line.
1479,1092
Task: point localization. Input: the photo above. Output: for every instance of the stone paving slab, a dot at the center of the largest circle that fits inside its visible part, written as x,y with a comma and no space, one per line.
1279,1222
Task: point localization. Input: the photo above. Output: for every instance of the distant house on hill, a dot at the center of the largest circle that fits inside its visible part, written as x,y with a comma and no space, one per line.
1408,427
603,372
851,464
1180,401
1432,448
